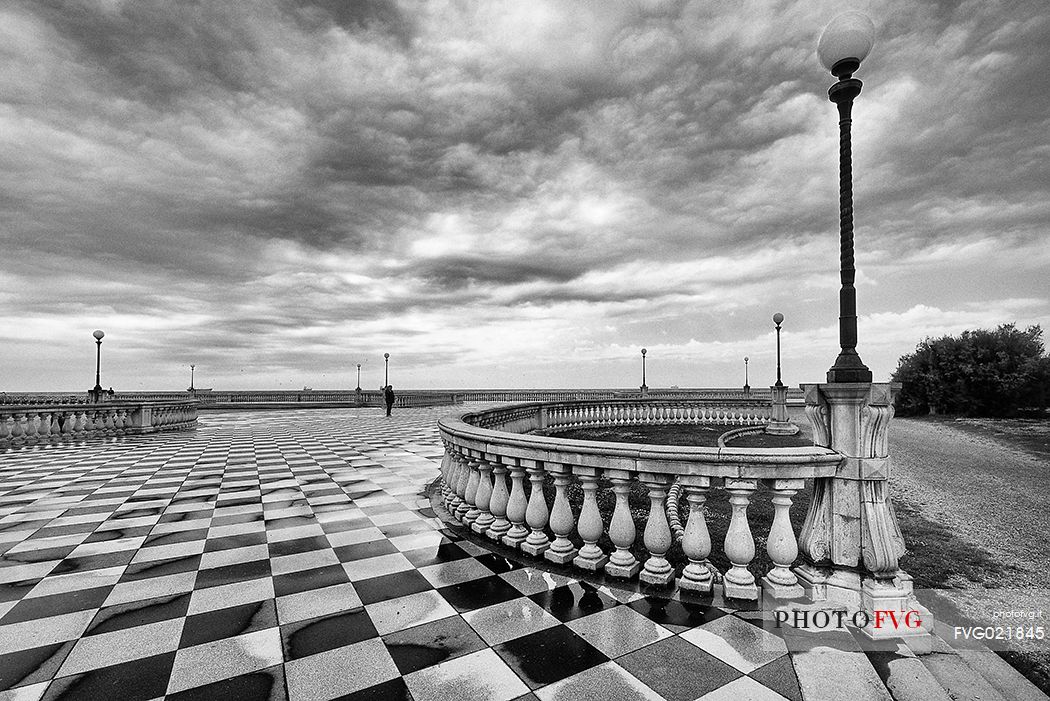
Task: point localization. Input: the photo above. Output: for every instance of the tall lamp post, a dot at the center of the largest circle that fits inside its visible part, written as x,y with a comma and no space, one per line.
644,387
846,42
851,542
778,319
780,425
358,377
192,367
386,370
747,387
98,334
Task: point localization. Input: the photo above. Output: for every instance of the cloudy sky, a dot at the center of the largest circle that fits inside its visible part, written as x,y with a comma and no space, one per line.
505,194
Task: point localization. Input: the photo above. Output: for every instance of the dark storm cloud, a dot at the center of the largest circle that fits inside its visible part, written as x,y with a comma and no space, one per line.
283,179
454,273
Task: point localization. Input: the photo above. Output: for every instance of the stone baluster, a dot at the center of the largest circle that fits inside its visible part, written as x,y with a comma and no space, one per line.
462,479
590,526
696,542
54,421
446,465
536,514
657,536
781,545
19,428
72,423
449,481
561,550
499,502
622,563
483,498
738,582
6,423
473,484
67,424
107,422
33,427
470,487
455,491
516,508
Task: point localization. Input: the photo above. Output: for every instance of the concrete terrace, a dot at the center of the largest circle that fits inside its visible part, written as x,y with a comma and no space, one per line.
296,555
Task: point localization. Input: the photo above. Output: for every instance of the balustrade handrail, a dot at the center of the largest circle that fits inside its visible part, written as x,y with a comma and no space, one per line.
28,424
483,448
462,430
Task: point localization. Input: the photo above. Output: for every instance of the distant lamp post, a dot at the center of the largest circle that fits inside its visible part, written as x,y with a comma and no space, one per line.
846,42
98,334
359,377
386,370
644,387
192,367
747,387
778,319
780,425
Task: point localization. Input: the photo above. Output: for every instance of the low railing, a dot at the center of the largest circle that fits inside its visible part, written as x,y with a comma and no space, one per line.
561,395
291,398
31,424
483,448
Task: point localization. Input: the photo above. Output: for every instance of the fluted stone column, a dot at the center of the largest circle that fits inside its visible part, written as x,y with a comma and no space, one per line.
851,542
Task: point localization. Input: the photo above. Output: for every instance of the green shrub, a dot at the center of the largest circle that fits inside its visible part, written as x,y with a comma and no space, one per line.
978,373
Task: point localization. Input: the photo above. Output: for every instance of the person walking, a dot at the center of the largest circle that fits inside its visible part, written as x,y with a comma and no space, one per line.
388,395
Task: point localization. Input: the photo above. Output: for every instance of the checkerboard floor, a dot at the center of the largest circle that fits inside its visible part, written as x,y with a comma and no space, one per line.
296,555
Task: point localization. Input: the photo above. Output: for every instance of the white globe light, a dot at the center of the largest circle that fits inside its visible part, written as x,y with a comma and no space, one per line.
849,35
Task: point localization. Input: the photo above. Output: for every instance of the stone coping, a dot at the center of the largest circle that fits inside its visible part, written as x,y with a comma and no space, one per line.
755,463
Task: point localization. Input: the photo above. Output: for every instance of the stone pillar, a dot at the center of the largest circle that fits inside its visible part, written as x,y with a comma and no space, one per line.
850,541
780,426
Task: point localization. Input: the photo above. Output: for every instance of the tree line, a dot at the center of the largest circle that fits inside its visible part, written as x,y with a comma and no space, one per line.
1001,372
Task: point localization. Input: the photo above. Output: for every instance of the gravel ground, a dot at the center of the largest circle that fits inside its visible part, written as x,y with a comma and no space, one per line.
994,494
986,490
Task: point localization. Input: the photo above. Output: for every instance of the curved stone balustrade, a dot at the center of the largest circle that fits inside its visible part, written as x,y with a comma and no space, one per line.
32,424
484,449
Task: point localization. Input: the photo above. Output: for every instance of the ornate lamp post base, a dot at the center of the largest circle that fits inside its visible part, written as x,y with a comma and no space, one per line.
849,368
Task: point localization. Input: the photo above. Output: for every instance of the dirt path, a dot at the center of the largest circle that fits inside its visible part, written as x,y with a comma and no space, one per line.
987,491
